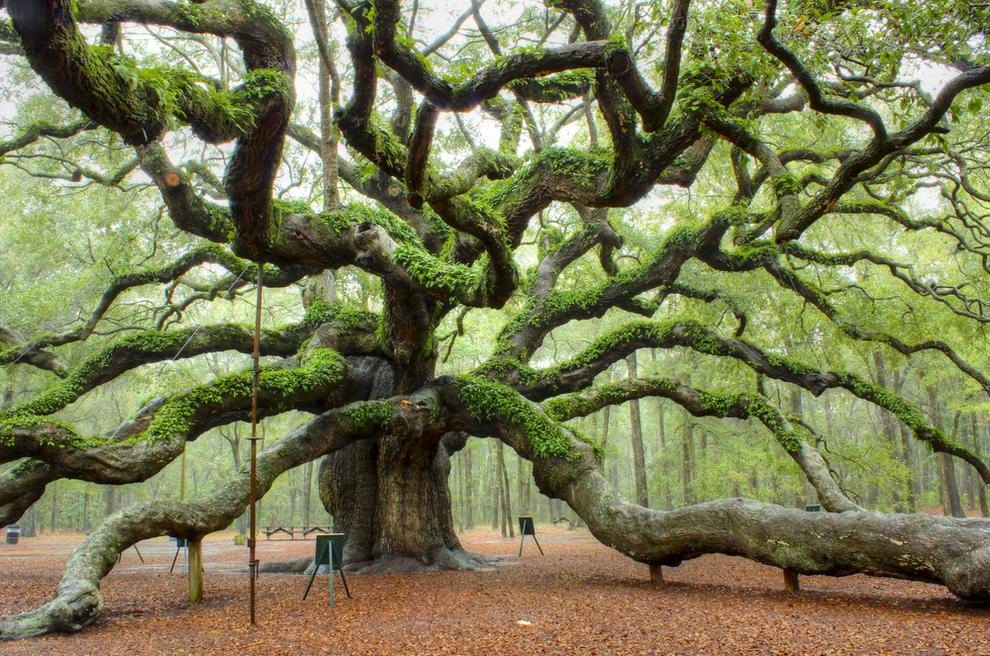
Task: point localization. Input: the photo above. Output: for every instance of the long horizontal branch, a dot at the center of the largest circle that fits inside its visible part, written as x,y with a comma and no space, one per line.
701,403
157,435
581,370
146,347
953,552
78,602
245,271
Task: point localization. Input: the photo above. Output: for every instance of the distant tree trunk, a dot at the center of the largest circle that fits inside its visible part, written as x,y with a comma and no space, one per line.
522,486
495,487
53,490
85,511
293,495
981,489
951,503
469,490
890,430
911,487
639,454
506,492
827,409
687,459
29,526
457,469
307,509
660,453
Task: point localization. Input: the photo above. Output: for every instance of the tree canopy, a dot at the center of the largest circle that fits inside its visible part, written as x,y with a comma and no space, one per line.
490,209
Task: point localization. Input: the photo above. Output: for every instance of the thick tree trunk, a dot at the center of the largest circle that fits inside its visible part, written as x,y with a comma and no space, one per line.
349,489
391,498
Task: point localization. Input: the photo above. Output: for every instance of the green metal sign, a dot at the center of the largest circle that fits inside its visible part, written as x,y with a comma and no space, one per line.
329,552
527,527
814,508
334,555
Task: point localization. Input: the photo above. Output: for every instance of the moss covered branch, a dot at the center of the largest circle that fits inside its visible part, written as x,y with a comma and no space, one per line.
953,552
77,601
581,370
145,445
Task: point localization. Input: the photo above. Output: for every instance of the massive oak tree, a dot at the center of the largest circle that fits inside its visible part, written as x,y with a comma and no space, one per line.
592,123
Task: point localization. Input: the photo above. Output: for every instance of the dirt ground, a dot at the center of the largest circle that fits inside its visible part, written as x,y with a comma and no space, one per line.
580,598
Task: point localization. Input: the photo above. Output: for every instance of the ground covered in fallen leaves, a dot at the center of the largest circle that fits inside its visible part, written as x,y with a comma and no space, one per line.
579,598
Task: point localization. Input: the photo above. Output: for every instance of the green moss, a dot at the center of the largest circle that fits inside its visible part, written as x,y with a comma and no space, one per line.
322,368
433,273
596,445
734,215
354,214
370,413
350,317
491,401
785,184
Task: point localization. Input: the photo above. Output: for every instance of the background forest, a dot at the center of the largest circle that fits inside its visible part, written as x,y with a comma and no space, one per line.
84,219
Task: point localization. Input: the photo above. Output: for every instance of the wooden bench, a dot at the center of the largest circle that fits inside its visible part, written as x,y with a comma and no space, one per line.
293,531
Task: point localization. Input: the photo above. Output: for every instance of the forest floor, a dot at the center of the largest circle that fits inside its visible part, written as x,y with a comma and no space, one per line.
580,598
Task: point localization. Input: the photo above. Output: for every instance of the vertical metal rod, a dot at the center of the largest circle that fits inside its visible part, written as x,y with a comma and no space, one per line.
256,356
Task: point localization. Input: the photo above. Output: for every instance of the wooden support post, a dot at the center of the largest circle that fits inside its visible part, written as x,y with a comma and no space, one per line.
656,574
195,573
791,583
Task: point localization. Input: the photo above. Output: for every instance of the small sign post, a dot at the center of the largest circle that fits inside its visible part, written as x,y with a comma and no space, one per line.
813,508
329,552
527,527
180,544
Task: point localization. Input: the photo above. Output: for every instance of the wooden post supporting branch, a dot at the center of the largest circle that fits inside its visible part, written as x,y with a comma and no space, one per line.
656,574
195,555
791,583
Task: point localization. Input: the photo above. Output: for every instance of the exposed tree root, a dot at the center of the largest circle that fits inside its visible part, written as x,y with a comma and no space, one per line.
445,559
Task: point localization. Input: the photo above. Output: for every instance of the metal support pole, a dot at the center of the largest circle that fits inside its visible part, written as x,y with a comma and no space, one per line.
256,356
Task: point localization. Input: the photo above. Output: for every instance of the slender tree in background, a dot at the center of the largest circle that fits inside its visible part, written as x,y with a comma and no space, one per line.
458,183
636,433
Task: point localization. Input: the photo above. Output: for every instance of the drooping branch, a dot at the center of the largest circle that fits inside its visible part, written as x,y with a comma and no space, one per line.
38,357
581,370
78,602
953,552
245,271
816,297
138,449
701,403
40,129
